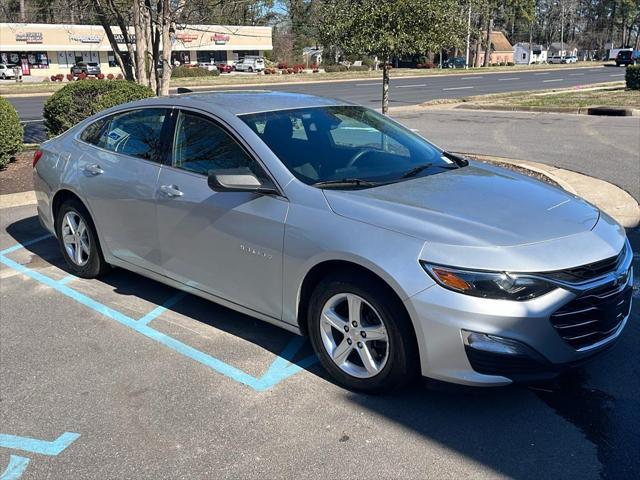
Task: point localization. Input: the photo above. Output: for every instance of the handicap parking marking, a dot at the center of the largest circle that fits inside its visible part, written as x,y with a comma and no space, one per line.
15,469
280,369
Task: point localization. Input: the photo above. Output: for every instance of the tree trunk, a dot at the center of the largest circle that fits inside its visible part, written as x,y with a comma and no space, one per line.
166,27
139,19
124,64
476,53
385,87
22,12
487,48
530,42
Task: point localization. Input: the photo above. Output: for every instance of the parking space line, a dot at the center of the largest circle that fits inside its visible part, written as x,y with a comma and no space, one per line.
15,469
278,370
41,447
160,309
18,246
67,279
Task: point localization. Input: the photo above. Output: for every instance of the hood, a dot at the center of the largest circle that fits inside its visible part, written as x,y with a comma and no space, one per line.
474,206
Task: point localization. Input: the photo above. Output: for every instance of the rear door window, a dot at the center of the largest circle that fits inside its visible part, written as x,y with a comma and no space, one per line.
137,133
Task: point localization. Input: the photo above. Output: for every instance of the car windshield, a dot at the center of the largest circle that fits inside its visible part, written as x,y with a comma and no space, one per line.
92,64
346,145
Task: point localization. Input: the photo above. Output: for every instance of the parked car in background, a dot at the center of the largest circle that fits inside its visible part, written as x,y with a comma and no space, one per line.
554,59
212,67
334,221
10,71
456,62
225,67
628,57
570,59
88,68
250,64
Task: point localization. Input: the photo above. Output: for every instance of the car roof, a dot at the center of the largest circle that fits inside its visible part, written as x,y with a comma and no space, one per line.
239,102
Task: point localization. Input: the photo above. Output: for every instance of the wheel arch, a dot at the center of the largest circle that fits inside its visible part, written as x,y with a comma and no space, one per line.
324,268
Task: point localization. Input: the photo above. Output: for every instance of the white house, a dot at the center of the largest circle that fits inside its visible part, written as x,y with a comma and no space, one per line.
521,54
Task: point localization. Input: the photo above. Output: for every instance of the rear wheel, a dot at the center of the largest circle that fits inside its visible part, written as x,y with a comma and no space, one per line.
78,240
250,69
361,334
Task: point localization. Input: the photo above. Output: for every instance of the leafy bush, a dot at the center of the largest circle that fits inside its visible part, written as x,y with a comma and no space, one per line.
79,100
335,68
632,77
10,132
510,64
188,72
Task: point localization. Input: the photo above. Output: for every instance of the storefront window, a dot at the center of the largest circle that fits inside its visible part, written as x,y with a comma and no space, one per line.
35,60
215,56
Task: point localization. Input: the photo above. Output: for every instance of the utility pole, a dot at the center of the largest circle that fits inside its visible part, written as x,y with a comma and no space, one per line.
466,62
562,54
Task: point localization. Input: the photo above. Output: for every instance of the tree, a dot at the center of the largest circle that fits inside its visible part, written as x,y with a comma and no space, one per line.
390,29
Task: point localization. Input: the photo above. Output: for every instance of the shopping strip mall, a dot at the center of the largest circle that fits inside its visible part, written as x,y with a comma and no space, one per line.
48,49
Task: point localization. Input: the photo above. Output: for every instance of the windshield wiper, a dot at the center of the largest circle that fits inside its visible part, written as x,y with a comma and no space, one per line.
346,182
416,170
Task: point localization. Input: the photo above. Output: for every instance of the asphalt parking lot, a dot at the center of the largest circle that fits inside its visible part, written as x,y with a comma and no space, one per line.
127,378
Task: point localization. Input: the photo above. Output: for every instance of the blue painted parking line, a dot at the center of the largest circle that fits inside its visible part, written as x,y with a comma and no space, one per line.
281,369
15,469
41,447
67,279
160,309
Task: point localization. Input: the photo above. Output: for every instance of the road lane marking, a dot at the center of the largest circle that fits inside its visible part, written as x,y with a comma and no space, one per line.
542,73
617,75
576,74
510,78
553,80
280,369
366,84
457,88
471,78
411,86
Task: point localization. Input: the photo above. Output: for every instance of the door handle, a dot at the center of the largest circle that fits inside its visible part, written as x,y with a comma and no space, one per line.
171,191
93,169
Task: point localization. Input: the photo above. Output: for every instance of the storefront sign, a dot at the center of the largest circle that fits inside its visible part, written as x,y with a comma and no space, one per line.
186,37
119,38
85,38
29,37
220,38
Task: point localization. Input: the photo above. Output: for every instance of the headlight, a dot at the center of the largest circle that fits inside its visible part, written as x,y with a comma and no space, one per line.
496,285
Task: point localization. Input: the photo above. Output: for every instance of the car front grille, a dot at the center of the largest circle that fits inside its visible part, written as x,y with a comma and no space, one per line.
585,273
593,316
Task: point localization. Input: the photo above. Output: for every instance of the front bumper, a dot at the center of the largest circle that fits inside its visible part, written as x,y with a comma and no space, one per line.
442,319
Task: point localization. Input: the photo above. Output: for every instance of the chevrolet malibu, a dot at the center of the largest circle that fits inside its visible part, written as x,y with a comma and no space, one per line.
330,220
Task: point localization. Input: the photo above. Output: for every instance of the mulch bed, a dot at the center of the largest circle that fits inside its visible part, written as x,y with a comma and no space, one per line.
17,176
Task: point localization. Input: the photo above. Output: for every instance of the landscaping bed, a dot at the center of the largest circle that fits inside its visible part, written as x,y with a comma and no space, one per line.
17,176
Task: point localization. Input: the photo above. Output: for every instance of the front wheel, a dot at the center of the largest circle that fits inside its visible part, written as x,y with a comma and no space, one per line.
78,241
361,334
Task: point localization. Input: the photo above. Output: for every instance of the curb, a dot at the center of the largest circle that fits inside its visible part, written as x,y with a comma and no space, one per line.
609,198
591,110
336,80
18,199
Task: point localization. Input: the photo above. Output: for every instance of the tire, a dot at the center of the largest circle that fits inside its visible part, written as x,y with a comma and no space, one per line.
91,265
250,69
4,77
397,361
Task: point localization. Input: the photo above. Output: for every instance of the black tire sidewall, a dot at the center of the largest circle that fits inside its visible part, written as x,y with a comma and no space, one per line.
96,264
401,364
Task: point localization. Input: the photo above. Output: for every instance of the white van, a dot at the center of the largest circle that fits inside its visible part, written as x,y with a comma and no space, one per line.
250,64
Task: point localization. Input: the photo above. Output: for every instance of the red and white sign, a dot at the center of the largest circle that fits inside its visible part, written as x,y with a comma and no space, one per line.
220,38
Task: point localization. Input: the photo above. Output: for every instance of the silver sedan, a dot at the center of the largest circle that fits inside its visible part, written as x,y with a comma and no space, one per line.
330,220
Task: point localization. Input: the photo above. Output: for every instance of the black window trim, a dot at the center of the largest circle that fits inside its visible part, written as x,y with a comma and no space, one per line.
170,140
163,133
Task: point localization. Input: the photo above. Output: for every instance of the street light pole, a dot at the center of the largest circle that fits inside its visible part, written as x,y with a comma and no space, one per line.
562,32
466,62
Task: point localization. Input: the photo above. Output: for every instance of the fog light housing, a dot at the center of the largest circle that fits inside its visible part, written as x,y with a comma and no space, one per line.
494,344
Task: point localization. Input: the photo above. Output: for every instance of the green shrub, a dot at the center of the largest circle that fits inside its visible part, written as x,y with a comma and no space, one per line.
10,132
632,77
78,100
335,68
188,72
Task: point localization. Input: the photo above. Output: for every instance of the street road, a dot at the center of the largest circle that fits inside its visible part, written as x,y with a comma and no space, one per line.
410,91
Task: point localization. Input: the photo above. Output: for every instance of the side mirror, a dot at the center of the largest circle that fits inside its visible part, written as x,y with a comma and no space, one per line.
238,180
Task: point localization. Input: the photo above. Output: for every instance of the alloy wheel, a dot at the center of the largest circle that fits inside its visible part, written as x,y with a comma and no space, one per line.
354,335
75,237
